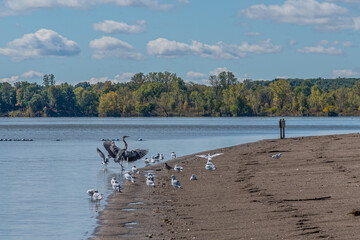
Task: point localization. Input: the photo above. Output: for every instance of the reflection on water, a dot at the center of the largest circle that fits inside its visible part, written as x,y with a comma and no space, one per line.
44,181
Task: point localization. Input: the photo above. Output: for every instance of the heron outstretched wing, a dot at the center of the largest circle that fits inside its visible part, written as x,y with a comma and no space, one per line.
101,154
108,145
135,154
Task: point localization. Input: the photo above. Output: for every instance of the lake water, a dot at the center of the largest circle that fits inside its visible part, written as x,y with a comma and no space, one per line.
43,182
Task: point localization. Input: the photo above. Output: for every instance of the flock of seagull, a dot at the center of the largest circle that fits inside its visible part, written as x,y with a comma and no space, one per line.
120,155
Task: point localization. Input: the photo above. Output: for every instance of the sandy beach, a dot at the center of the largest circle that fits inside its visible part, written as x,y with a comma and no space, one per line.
308,193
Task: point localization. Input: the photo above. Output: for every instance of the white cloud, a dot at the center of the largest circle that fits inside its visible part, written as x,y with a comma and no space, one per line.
321,50
344,73
43,43
30,75
119,78
163,47
252,34
110,26
195,76
112,47
323,16
218,70
336,43
13,7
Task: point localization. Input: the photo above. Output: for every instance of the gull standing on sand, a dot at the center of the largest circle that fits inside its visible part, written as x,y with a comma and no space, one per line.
193,177
175,182
128,176
135,170
173,155
150,181
276,156
115,184
150,176
178,168
209,165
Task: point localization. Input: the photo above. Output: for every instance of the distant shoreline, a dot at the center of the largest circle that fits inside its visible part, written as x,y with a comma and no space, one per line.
307,193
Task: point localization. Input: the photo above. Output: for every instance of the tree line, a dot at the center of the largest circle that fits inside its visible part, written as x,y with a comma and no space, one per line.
165,94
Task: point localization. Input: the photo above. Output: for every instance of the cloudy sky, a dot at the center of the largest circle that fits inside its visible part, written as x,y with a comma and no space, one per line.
99,40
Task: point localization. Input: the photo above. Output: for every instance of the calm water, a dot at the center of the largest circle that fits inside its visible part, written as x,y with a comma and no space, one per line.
44,182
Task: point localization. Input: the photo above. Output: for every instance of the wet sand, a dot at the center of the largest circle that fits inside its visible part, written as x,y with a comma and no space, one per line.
306,194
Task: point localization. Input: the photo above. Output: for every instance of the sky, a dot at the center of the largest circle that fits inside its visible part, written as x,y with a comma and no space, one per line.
111,40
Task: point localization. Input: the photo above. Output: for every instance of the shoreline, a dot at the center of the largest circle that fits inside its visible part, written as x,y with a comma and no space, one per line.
306,194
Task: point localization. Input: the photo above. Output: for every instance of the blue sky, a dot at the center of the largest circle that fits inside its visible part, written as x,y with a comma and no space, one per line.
101,40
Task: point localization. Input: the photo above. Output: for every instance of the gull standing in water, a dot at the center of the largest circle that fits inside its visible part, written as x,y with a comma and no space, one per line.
105,160
173,155
175,182
276,156
97,196
178,168
161,156
128,176
91,192
146,161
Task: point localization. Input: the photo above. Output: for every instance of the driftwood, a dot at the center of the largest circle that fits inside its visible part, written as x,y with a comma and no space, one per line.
307,199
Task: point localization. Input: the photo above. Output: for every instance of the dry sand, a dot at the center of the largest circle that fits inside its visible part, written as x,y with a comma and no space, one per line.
306,194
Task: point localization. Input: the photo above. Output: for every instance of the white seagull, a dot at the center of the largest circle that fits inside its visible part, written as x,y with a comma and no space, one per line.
153,160
150,181
161,156
209,165
193,177
113,180
116,186
175,182
135,170
91,192
173,155
178,168
150,176
147,161
97,196
128,176
276,156
209,156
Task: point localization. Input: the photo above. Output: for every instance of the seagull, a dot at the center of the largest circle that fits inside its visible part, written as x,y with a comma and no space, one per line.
128,176
91,192
97,196
276,156
167,167
116,186
150,176
173,155
161,156
157,157
113,180
153,160
147,161
209,156
105,160
210,166
178,168
175,182
135,170
150,181
193,177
